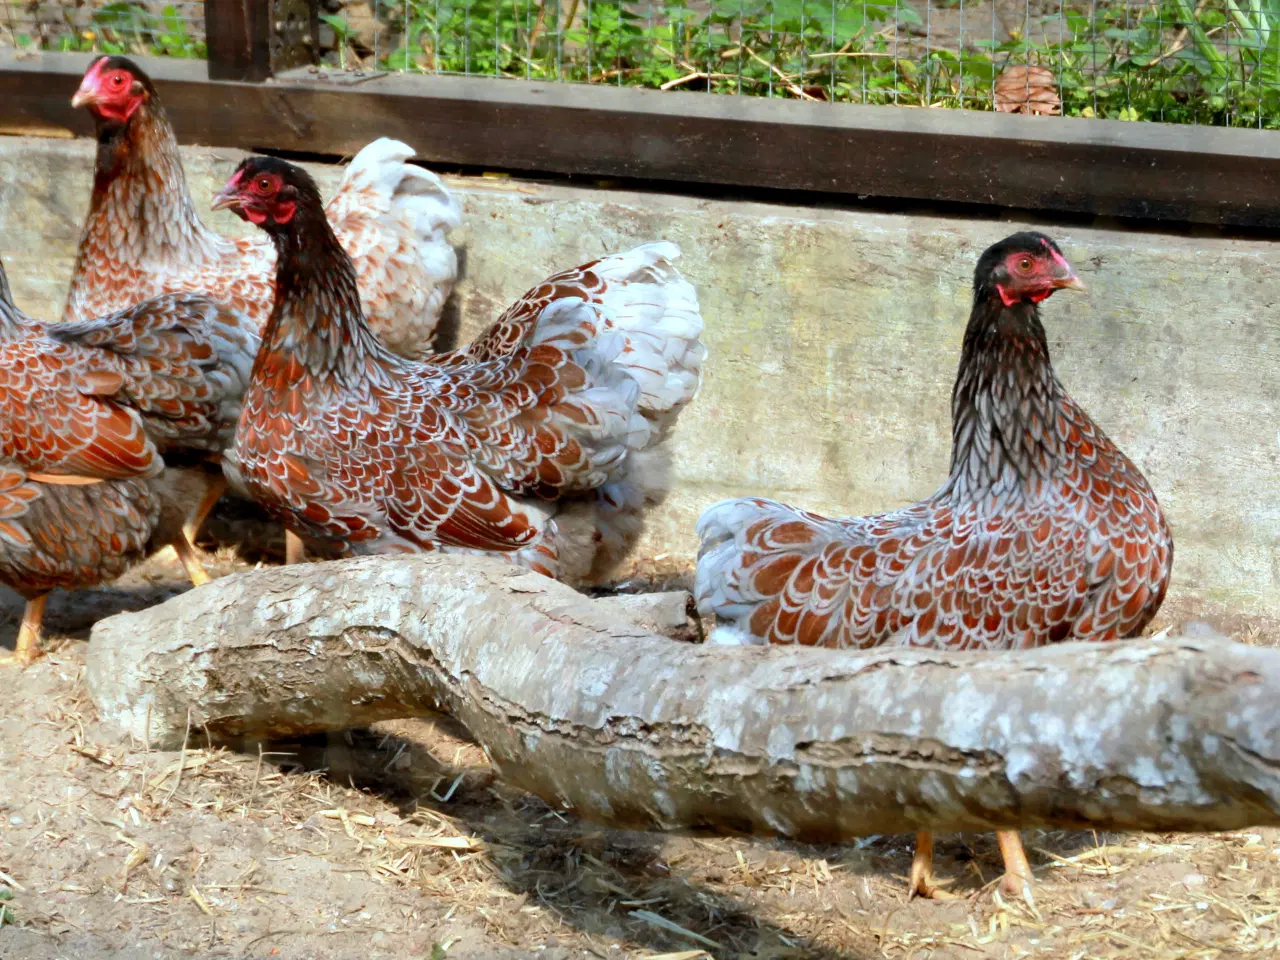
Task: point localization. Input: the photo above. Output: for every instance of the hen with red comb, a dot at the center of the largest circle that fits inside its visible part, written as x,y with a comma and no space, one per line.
1043,531
543,440
143,236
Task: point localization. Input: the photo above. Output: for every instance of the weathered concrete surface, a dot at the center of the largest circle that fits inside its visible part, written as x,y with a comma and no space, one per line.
834,337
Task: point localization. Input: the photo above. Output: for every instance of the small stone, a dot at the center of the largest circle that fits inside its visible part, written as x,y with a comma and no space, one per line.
1025,88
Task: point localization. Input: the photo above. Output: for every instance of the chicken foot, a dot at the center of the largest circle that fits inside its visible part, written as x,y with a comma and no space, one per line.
921,883
191,529
1016,881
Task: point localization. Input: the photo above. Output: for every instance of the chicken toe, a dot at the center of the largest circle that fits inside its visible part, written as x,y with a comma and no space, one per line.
1017,878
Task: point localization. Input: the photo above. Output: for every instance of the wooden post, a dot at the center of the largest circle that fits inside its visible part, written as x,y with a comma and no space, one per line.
252,40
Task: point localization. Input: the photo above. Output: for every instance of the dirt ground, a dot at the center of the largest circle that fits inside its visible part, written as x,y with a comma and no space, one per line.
398,842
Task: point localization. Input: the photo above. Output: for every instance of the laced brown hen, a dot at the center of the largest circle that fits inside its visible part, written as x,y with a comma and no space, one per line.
143,237
1043,531
542,440
109,430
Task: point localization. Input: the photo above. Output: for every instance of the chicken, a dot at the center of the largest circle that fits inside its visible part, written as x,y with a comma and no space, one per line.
542,440
109,430
143,237
1042,532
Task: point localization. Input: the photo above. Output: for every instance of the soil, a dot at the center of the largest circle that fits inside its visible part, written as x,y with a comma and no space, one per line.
398,842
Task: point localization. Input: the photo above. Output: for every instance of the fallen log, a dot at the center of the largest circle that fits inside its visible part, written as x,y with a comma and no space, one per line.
616,724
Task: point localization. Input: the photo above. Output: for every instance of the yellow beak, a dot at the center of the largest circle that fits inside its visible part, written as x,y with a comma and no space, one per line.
226,198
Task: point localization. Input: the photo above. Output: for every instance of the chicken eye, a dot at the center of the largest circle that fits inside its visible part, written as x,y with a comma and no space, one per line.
264,184
117,80
1024,264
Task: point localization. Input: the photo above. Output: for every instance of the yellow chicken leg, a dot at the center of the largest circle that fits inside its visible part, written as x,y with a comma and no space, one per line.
1016,881
921,882
28,647
191,529
190,562
294,549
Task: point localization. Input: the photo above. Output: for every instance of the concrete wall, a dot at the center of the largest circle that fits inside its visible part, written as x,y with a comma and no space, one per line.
834,336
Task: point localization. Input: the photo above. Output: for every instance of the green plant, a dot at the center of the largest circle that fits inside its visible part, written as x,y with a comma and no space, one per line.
341,35
127,27
1216,62
1186,61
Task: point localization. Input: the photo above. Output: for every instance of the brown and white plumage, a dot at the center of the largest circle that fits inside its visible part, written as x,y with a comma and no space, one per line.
1044,531
565,400
142,236
110,431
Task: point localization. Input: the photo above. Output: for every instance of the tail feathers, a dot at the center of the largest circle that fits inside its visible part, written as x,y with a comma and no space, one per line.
655,310
610,400
643,356
612,354
747,548
381,173
394,218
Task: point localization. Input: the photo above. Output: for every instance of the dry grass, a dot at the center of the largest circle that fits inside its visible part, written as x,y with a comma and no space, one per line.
398,841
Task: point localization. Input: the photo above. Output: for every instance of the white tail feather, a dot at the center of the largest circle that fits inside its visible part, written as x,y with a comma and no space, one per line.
716,586
649,340
656,310
394,219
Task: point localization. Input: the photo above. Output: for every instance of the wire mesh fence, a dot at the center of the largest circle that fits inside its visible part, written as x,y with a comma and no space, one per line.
1211,61
1191,61
165,29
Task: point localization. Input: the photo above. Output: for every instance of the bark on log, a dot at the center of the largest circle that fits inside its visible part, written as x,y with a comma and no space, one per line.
619,725
669,614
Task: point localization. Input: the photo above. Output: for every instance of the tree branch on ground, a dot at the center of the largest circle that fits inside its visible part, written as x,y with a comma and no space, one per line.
602,718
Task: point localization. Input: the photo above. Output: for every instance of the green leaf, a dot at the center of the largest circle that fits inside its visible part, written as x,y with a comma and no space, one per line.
339,24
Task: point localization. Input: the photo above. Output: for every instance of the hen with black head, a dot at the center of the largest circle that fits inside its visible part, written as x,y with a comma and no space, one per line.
1042,532
543,440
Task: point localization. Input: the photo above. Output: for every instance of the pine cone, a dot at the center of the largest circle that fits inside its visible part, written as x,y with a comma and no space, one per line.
1025,89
